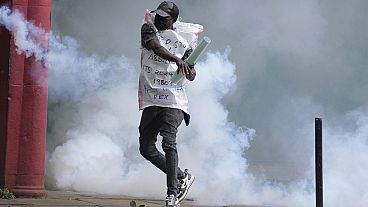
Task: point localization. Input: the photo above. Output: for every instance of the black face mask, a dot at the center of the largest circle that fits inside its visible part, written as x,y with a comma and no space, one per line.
162,23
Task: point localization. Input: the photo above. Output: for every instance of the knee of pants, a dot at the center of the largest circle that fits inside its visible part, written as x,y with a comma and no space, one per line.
168,145
145,151
142,151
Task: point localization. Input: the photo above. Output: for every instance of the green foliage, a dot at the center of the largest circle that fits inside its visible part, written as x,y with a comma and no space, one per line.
6,194
134,204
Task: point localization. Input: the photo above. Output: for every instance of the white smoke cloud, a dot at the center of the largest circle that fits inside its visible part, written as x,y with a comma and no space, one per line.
110,116
345,168
82,73
93,119
30,40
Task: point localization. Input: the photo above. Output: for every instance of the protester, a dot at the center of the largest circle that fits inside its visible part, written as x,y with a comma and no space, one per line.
165,104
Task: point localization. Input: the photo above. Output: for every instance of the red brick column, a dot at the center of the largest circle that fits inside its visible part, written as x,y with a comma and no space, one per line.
24,165
4,88
13,77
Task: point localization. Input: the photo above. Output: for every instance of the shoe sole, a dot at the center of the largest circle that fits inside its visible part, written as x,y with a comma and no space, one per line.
186,191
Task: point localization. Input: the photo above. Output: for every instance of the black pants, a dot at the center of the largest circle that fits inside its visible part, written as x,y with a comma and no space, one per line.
165,121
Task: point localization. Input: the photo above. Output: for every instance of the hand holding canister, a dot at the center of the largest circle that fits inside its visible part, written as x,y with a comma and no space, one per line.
193,58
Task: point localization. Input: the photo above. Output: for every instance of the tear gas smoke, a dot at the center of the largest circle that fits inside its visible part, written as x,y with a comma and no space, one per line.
93,118
27,36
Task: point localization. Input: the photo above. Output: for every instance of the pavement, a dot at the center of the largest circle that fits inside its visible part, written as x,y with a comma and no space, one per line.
75,199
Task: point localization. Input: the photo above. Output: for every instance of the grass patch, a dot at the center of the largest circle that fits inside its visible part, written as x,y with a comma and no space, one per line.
6,194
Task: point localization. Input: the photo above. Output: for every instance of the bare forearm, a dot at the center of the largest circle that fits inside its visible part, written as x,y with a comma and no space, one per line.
161,51
165,54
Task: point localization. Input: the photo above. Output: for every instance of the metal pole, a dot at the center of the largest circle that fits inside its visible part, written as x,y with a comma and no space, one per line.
318,162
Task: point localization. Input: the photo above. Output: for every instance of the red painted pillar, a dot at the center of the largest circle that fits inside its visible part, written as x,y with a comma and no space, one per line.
4,87
13,77
32,140
24,163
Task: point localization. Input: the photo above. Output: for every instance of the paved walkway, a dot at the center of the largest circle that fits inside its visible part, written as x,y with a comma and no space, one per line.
74,199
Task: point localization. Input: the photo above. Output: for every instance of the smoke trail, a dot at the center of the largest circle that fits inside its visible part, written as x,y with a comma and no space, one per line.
80,72
29,39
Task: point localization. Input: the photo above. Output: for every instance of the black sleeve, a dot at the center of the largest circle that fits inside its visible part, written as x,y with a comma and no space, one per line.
147,34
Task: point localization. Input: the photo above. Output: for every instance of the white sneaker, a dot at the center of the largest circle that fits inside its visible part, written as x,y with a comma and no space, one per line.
172,201
184,185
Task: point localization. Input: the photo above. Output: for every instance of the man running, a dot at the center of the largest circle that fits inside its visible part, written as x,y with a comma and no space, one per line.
164,104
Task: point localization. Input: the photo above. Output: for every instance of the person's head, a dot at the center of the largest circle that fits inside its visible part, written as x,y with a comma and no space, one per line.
166,15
